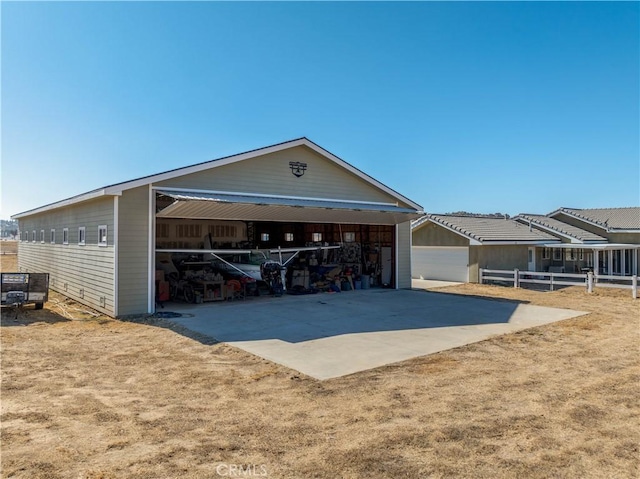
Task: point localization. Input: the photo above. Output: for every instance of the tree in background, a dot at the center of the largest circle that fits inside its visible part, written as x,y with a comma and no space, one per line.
481,215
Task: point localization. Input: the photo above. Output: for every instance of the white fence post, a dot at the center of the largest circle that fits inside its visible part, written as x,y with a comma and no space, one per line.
550,281
634,287
516,278
590,282
480,275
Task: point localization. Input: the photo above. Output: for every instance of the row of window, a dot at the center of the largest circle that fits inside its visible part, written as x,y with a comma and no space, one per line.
195,231
288,237
349,237
570,255
82,236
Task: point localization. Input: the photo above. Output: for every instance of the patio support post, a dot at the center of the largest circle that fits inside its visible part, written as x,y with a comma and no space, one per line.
610,262
596,262
634,286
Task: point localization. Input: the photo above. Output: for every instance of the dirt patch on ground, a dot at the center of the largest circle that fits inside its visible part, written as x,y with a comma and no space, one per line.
93,397
8,247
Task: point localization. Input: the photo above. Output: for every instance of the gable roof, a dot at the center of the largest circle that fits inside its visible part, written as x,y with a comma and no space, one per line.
483,230
609,219
554,226
118,188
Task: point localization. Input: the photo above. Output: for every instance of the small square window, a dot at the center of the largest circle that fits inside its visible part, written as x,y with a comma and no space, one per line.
288,237
41,236
349,237
65,236
317,237
52,236
264,237
546,253
33,238
102,235
81,236
557,254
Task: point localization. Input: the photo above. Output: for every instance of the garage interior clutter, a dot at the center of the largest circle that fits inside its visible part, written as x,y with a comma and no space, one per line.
241,259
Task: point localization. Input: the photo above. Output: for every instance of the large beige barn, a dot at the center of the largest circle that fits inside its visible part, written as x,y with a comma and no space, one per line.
101,248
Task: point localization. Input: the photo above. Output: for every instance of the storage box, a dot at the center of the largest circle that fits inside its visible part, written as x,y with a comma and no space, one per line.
163,291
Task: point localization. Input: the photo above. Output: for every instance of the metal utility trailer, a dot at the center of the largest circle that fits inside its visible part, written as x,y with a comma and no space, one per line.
19,289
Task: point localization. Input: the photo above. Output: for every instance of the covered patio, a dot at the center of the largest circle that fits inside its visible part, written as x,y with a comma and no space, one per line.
606,259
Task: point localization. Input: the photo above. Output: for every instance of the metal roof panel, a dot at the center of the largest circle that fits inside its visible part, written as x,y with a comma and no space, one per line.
265,208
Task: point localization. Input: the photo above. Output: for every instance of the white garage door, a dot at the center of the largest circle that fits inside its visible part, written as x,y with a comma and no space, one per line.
441,263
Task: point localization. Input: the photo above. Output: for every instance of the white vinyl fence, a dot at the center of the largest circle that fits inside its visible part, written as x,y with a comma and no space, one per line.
588,280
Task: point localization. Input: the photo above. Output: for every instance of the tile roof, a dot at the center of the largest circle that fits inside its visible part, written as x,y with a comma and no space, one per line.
488,229
560,227
610,219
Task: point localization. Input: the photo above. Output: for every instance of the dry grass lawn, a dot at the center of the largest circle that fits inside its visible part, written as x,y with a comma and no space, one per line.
95,397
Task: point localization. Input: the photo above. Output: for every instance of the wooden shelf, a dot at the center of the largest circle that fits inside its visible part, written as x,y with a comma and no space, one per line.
212,290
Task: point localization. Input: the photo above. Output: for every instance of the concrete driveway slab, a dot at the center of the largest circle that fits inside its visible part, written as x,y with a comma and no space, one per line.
431,283
331,335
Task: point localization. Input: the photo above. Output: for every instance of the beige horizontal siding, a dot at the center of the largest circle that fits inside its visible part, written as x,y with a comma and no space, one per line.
84,273
271,174
404,255
90,214
432,234
74,270
133,255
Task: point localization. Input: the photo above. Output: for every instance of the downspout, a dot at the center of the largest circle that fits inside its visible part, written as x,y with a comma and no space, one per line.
151,246
397,257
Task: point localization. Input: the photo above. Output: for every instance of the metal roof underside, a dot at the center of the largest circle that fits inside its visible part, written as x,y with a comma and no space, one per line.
282,209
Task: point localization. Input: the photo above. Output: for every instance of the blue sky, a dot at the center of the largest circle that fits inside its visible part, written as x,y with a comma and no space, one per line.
477,106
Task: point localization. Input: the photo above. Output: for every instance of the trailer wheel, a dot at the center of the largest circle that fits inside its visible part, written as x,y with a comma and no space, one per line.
39,305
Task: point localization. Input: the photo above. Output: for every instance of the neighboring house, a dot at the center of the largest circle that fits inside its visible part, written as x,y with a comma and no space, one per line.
605,240
453,248
568,240
102,248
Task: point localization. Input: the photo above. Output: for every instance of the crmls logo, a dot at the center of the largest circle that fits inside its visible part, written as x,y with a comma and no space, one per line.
297,168
239,470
